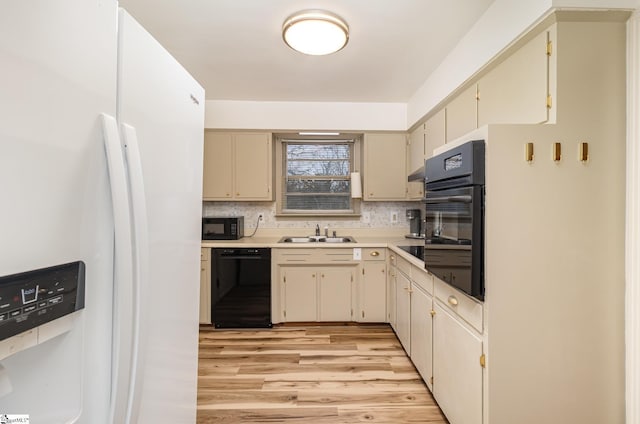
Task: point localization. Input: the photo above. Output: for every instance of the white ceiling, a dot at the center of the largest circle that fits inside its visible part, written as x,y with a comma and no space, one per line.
234,48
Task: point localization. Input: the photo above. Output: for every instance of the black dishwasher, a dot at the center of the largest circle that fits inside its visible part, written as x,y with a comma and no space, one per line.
241,287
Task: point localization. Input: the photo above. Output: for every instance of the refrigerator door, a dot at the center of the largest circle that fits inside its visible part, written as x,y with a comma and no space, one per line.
161,107
58,76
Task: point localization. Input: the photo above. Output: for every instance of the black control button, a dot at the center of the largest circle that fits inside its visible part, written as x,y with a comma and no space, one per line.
28,309
4,317
55,300
42,304
5,305
15,313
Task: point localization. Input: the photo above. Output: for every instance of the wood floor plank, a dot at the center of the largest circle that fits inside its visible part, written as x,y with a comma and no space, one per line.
309,373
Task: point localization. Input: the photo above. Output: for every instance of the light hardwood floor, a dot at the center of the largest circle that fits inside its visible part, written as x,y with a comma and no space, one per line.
310,374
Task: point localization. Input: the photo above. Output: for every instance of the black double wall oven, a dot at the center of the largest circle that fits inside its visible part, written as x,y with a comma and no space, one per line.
454,235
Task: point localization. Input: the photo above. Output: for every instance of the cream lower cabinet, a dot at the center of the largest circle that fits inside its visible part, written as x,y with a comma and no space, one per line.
422,333
372,287
403,310
457,374
317,293
205,286
298,293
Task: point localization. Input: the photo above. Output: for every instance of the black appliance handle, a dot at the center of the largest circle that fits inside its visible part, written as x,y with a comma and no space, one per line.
449,199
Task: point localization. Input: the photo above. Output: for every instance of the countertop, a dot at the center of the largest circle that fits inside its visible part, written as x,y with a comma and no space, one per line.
383,241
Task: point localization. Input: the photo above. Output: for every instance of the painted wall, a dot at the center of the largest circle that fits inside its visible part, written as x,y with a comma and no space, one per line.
228,114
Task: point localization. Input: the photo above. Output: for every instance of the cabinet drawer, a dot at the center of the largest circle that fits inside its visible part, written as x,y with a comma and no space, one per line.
393,258
292,255
336,255
422,278
467,308
374,254
403,265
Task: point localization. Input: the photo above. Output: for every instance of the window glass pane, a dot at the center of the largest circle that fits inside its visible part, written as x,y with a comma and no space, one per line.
317,176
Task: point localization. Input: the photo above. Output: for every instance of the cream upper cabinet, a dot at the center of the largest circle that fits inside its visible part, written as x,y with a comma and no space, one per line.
253,166
516,90
238,166
416,152
385,167
435,132
457,369
462,114
217,183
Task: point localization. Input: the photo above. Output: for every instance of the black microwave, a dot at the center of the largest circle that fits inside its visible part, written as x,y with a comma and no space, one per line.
223,228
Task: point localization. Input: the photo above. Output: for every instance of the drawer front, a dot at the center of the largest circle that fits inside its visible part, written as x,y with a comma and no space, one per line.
422,278
467,308
393,258
404,266
374,254
292,255
331,255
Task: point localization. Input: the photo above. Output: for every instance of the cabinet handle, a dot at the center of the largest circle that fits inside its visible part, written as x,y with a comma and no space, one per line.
375,253
452,301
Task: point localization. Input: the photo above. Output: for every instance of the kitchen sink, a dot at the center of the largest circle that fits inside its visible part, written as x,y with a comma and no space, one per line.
317,239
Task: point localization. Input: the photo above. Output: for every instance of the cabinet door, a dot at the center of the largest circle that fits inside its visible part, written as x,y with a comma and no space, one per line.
391,296
252,158
403,311
385,167
372,293
421,333
416,158
435,133
335,293
462,114
217,183
457,374
299,292
515,91
205,286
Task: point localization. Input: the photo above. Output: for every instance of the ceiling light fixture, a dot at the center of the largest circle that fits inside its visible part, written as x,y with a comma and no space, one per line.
315,32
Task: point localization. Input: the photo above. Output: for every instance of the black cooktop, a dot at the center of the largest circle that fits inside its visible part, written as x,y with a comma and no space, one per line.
417,251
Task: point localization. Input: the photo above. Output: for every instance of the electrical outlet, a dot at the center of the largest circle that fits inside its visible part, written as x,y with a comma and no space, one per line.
366,217
393,217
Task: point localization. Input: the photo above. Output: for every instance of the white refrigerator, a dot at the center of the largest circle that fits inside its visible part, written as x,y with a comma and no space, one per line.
101,137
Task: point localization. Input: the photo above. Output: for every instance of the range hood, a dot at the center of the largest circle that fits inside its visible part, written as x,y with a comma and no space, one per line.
417,175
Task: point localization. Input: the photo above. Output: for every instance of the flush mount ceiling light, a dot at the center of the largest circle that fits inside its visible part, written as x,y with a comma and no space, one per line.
315,32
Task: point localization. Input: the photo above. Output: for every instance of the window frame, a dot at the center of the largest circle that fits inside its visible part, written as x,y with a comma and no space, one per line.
281,142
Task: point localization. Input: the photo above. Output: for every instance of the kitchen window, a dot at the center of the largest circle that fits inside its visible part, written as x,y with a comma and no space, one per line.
315,175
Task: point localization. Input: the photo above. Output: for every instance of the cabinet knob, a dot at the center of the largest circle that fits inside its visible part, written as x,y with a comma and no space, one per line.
433,313
237,194
313,275
452,301
375,253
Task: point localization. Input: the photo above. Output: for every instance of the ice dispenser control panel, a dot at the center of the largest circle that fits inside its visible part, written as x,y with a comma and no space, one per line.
33,298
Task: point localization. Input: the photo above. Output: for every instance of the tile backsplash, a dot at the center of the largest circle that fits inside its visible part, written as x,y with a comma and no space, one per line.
379,215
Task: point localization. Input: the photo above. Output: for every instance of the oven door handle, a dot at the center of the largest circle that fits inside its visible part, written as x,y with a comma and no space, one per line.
449,199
